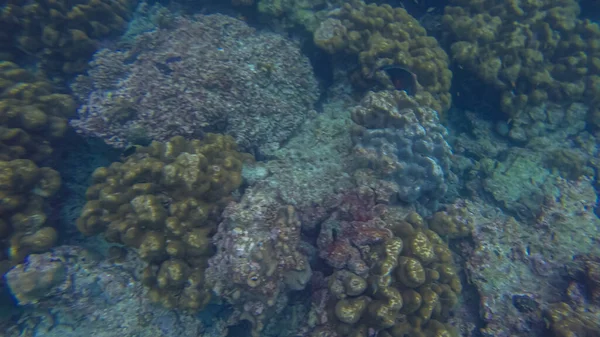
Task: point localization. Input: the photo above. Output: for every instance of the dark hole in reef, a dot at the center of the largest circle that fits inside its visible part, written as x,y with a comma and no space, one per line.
241,329
470,93
322,66
590,10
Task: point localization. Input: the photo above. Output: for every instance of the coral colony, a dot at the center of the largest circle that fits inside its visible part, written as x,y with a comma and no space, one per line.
273,168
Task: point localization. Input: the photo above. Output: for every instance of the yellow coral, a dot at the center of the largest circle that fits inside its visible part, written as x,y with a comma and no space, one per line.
548,54
164,201
23,229
62,34
411,276
382,35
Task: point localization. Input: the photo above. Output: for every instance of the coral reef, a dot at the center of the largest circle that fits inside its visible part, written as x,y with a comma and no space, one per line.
391,273
24,187
403,142
63,35
534,254
165,201
382,35
532,51
71,291
31,114
259,257
217,74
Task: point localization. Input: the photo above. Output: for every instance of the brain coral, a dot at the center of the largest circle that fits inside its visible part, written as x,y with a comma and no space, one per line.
403,142
398,277
531,51
63,34
213,73
382,35
165,201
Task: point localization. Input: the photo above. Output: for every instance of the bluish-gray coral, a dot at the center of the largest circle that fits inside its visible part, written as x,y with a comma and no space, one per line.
403,142
213,73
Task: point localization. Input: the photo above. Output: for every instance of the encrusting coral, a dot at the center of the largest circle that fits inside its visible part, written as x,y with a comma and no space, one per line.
403,142
165,201
382,35
531,51
212,73
62,34
259,257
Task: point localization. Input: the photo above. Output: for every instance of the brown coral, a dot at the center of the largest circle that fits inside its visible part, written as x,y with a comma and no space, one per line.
165,202
24,187
62,34
532,52
382,35
31,114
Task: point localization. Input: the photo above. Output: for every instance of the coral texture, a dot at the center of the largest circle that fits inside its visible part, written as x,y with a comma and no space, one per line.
24,188
382,35
403,142
165,201
213,73
62,34
31,114
391,273
74,292
259,258
531,51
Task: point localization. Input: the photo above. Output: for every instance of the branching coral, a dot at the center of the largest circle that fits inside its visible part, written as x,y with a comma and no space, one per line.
531,51
214,73
64,33
382,35
165,201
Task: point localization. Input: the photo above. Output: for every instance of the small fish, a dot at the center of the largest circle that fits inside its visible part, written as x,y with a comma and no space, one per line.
402,78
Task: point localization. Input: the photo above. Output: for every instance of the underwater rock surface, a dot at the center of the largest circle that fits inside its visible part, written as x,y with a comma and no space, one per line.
87,295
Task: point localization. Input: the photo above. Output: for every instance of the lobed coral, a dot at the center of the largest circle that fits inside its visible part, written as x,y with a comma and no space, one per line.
259,257
63,34
398,277
531,51
563,321
214,73
403,142
31,114
24,187
165,202
382,35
